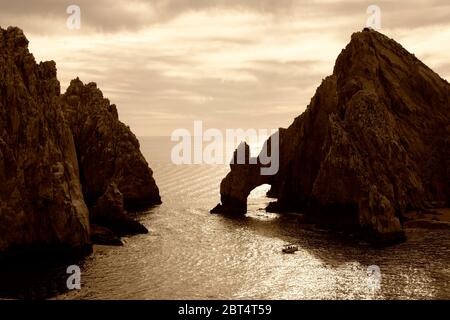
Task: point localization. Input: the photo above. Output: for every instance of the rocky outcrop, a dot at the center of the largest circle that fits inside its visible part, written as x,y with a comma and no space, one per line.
373,143
109,212
108,152
104,236
41,201
65,161
113,172
238,184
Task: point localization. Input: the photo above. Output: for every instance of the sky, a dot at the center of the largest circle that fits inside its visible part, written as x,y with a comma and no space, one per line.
230,63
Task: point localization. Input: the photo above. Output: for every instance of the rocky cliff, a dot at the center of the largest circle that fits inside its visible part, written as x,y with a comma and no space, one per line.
113,172
373,143
107,149
41,202
65,160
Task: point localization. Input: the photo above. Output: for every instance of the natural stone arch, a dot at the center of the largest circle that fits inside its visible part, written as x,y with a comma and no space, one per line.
237,185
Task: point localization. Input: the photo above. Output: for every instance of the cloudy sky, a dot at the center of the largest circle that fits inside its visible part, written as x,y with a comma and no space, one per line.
230,63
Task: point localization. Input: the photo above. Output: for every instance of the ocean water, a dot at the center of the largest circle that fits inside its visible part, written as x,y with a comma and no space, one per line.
191,254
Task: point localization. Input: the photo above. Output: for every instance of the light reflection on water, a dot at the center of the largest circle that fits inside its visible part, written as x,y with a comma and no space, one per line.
191,254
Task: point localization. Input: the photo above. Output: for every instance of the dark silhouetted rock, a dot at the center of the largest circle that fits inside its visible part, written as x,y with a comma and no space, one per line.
104,236
108,152
41,201
109,212
373,143
48,143
242,179
114,174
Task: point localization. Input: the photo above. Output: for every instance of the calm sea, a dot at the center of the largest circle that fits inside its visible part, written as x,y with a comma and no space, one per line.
191,254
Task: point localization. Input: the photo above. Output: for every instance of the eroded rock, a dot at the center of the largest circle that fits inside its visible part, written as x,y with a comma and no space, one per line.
61,157
109,212
374,142
41,201
108,152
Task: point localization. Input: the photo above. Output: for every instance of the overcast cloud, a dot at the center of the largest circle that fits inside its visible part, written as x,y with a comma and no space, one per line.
231,63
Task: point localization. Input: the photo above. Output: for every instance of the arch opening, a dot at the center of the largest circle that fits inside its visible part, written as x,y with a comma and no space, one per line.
257,200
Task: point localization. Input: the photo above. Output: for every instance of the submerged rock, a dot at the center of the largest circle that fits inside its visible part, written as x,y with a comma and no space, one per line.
373,143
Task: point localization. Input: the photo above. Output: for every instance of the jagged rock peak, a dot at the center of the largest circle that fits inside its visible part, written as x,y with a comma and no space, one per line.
41,202
15,38
108,150
373,142
48,144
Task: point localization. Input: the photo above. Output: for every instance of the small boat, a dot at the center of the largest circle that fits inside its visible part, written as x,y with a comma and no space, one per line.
290,248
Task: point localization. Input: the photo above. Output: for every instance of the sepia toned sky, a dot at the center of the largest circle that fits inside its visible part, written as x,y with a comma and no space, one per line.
230,63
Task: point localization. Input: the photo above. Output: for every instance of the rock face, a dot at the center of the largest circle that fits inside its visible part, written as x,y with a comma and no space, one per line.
65,161
373,143
108,152
41,202
109,212
113,172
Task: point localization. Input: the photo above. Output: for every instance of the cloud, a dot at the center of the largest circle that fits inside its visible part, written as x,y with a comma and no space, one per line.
231,63
113,16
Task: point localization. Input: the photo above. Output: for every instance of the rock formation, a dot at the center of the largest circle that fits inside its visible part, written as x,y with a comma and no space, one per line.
65,161
113,172
373,143
107,149
41,202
